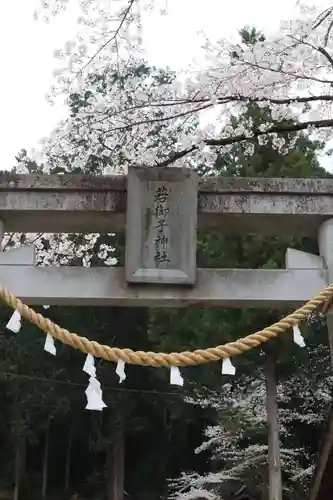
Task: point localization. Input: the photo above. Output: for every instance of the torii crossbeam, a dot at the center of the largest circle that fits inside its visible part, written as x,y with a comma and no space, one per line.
75,203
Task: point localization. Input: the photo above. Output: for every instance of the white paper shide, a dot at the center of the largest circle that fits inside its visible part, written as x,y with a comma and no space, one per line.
49,345
298,337
227,367
89,365
175,376
14,324
94,395
120,370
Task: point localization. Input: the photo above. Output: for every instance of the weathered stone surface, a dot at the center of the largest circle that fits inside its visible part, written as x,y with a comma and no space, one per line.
161,226
266,185
214,288
66,182
33,203
78,182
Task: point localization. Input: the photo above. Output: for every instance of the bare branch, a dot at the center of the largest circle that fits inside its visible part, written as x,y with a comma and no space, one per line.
177,156
327,36
323,51
322,17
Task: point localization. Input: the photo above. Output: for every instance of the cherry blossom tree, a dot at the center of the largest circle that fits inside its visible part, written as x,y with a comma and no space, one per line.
291,71
94,152
95,137
237,442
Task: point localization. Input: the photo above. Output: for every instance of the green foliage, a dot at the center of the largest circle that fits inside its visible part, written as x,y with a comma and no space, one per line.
250,36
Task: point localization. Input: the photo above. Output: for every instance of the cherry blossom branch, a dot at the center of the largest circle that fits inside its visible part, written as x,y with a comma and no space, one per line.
209,104
228,141
319,49
224,100
159,119
286,73
220,101
275,129
124,16
291,100
242,98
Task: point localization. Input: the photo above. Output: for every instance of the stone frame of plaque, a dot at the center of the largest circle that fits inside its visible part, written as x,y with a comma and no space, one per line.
161,225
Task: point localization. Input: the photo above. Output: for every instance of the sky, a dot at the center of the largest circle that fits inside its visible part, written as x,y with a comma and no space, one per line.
27,48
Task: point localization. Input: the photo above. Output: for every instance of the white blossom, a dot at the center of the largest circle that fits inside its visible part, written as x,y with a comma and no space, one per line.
291,71
303,399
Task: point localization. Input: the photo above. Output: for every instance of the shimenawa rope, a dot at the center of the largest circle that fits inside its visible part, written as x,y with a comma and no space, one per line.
197,357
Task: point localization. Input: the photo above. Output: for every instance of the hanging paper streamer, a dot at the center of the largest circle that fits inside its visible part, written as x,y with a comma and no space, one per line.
298,337
227,367
14,324
89,365
175,376
93,391
94,395
120,370
49,345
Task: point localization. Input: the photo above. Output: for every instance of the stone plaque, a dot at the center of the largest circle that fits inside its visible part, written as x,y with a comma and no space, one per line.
161,223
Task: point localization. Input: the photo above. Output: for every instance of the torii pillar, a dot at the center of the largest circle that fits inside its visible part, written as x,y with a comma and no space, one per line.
325,243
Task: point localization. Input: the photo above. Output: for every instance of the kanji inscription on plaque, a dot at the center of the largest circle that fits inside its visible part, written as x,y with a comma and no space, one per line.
161,225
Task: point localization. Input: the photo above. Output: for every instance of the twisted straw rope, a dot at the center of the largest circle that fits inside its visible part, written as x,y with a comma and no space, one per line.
184,358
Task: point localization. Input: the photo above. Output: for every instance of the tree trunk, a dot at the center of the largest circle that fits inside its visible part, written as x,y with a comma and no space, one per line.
274,462
115,463
68,462
19,467
45,466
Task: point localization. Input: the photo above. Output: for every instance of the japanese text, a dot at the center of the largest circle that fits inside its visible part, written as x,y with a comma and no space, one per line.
160,211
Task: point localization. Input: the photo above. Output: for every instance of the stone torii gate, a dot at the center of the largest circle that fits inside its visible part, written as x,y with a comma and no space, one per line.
75,203
162,209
